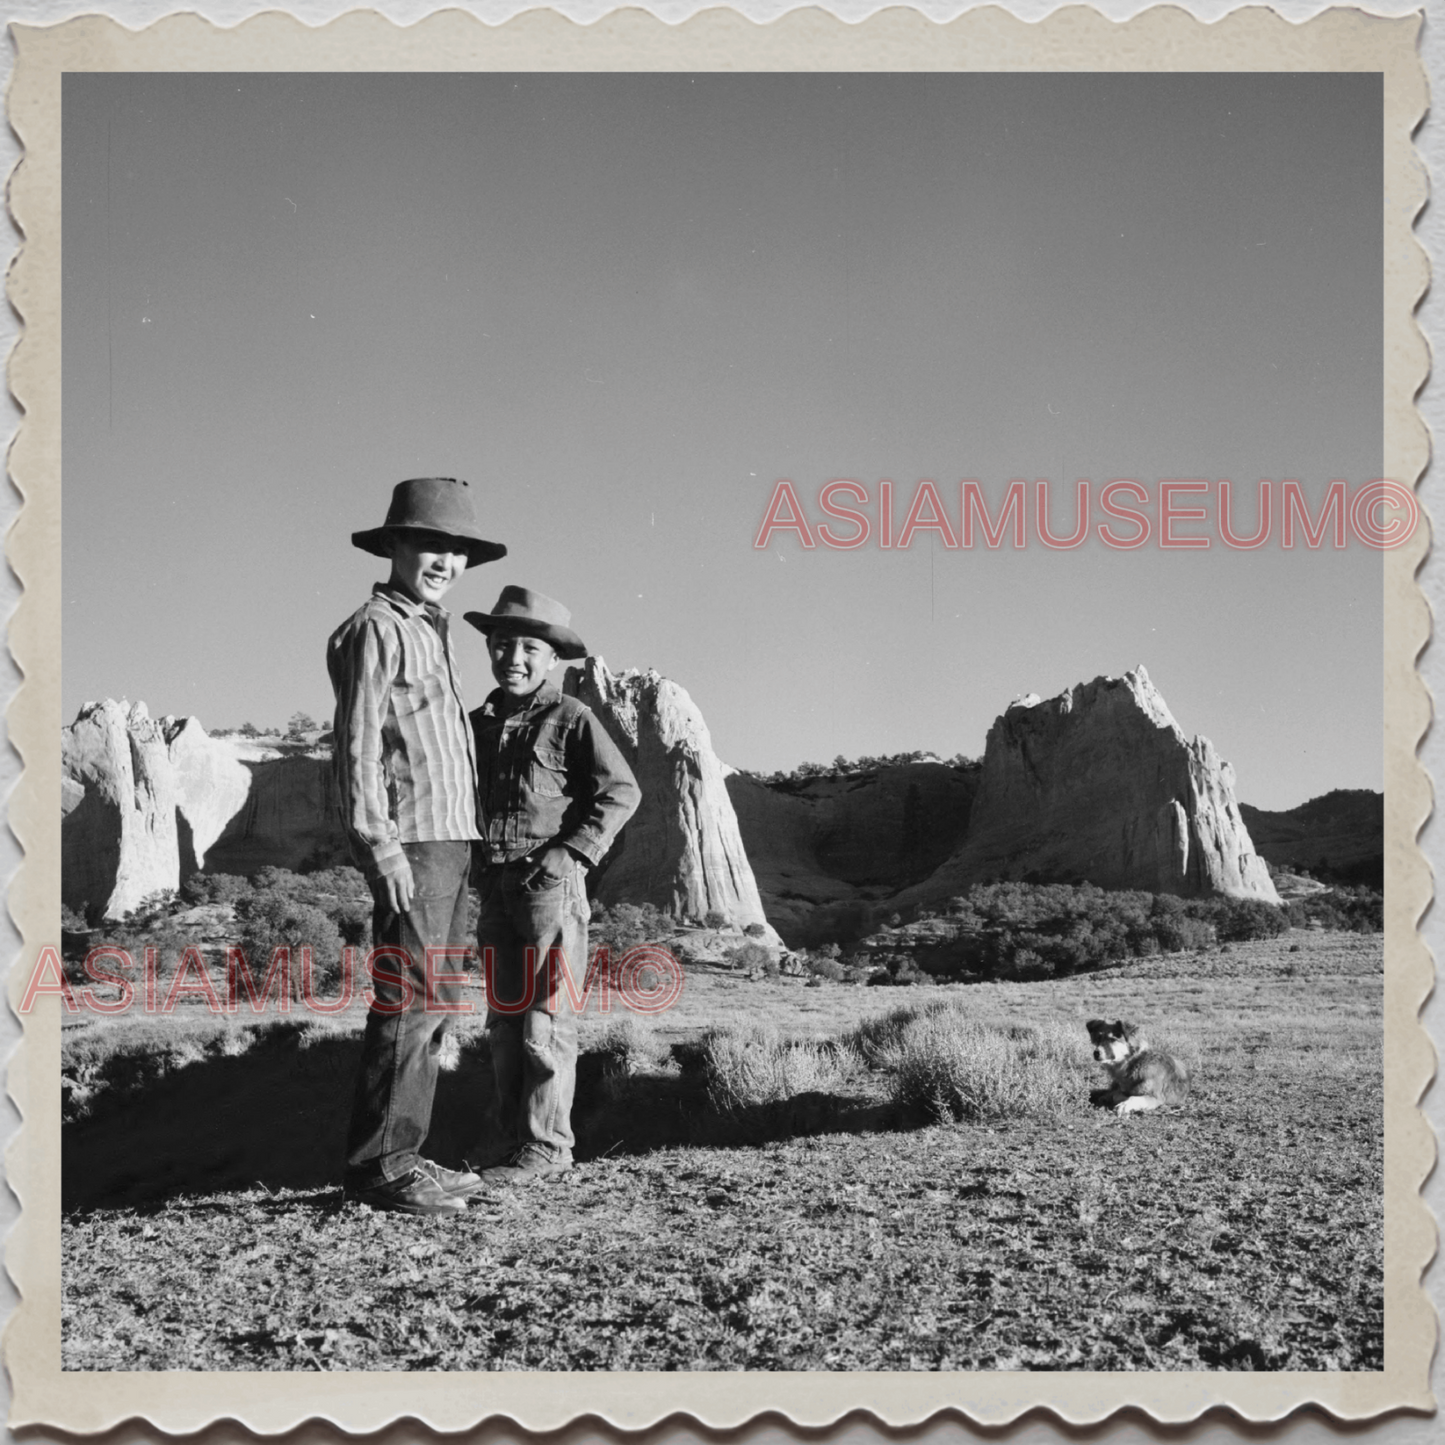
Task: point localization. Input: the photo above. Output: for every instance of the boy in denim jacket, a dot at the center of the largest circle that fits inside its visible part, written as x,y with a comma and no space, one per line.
553,791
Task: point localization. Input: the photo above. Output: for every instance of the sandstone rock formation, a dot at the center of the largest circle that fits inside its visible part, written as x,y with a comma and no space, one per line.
287,818
681,850
827,851
211,787
146,802
1100,785
118,808
1097,784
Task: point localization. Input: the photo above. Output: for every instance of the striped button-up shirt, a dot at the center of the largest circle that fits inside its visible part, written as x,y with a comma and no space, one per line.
405,769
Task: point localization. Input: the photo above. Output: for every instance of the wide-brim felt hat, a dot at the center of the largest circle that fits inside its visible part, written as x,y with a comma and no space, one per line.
519,609
432,504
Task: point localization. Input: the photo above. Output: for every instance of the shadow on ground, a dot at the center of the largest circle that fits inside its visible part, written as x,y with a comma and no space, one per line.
276,1116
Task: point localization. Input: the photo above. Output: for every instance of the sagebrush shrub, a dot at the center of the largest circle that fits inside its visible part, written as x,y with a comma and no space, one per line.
627,925
1177,934
1030,931
948,1066
629,1046
746,1067
749,956
1240,919
203,888
820,965
1354,910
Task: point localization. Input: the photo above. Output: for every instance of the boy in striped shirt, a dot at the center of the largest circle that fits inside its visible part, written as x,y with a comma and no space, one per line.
406,781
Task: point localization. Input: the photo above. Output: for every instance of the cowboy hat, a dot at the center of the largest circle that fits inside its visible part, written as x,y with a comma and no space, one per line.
521,610
431,504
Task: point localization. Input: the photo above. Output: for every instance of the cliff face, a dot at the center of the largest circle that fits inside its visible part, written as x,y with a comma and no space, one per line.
681,850
825,851
288,817
211,785
1099,785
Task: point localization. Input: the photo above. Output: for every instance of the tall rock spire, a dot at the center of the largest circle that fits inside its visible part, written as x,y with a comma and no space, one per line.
681,850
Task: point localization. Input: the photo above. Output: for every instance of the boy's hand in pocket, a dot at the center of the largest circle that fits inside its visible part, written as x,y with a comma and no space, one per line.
553,864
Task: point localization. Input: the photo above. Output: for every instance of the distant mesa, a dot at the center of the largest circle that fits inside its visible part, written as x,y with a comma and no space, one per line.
1098,784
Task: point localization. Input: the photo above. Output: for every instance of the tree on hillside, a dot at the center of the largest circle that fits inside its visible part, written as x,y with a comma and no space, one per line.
271,919
301,723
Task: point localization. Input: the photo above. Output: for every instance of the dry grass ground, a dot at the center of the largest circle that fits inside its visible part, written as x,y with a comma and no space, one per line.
772,1209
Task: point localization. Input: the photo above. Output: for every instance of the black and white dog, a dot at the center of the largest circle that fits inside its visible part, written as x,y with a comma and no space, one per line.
1139,1077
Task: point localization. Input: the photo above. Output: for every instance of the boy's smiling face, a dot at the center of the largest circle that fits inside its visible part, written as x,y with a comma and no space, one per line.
426,564
520,663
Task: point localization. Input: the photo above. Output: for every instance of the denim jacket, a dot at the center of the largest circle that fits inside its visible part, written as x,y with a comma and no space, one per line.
548,773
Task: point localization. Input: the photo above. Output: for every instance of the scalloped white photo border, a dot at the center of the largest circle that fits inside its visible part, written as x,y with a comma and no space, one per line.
986,39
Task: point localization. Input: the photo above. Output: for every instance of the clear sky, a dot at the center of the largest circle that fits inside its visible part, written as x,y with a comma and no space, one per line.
625,306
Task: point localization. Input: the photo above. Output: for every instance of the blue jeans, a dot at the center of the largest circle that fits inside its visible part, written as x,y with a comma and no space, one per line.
534,1052
395,1085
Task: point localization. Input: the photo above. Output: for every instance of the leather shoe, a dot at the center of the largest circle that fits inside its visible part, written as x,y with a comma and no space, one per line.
526,1165
455,1183
414,1193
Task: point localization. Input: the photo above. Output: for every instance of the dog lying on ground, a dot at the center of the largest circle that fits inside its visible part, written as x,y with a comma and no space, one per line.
1139,1077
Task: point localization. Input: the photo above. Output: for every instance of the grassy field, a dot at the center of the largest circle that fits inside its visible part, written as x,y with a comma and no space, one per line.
763,1199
